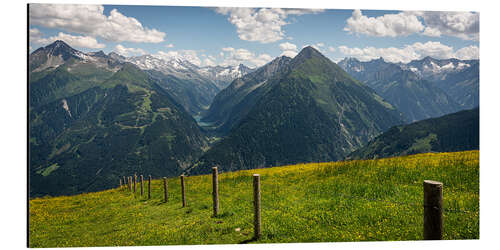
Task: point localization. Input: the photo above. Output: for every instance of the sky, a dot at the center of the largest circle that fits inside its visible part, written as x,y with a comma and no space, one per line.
254,36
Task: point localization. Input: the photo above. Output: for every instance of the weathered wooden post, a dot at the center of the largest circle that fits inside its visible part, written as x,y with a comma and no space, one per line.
183,189
256,204
165,188
142,185
124,181
120,182
433,210
129,183
149,187
215,191
135,181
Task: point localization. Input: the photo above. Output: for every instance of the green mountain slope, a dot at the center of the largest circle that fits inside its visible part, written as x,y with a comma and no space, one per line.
454,132
82,136
311,111
194,94
234,102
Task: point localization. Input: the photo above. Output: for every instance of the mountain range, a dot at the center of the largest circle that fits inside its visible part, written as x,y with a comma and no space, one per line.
94,117
423,88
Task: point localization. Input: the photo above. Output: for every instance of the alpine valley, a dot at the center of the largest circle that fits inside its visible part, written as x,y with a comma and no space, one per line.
94,117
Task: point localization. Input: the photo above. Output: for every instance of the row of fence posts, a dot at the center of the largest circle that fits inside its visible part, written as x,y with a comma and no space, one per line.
433,202
132,182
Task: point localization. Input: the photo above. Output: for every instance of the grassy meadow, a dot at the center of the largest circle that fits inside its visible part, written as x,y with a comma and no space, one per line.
362,200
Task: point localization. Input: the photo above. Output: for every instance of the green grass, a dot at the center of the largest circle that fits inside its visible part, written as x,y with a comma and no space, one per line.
317,202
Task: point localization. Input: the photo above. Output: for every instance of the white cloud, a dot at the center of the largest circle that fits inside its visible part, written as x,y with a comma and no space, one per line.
261,60
120,49
433,49
331,49
236,56
91,21
35,33
169,45
261,25
468,53
320,45
288,46
464,25
431,32
411,52
288,49
391,25
228,49
36,37
289,53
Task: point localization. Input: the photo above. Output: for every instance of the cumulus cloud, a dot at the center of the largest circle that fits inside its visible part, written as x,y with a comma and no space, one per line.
288,46
261,25
331,49
261,60
90,20
433,49
411,52
468,53
391,25
288,49
36,37
289,53
464,25
169,45
120,49
236,56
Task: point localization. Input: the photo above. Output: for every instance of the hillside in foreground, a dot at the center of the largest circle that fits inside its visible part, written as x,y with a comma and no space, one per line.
362,200
449,133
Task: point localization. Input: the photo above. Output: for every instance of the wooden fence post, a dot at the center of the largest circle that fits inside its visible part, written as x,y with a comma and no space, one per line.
433,210
120,182
183,188
165,188
149,187
129,183
135,181
142,185
215,191
256,203
124,181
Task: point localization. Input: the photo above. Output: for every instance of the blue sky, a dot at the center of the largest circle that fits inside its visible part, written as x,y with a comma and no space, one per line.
228,36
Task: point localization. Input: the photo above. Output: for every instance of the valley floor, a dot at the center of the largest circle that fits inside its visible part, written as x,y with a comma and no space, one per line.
372,200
